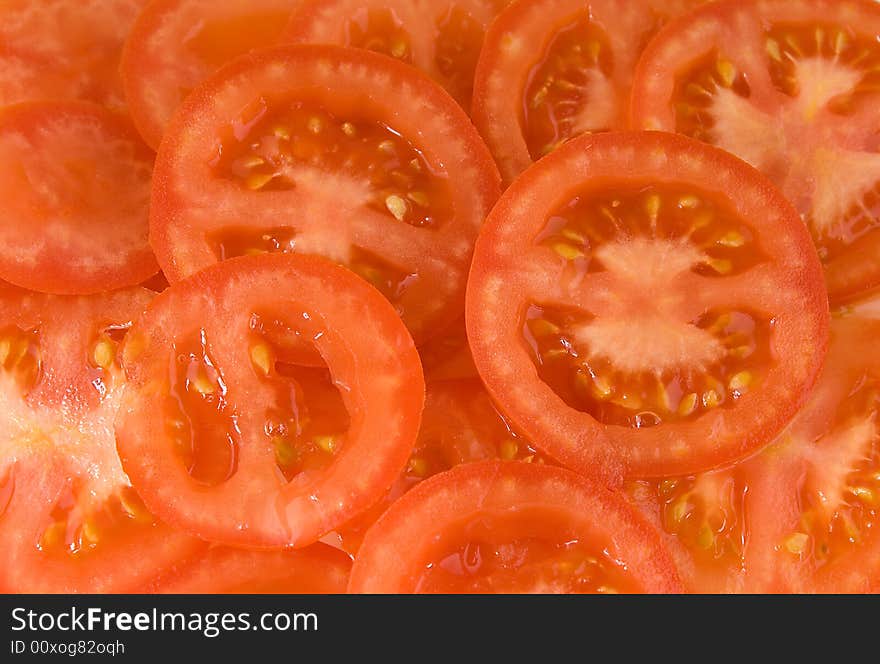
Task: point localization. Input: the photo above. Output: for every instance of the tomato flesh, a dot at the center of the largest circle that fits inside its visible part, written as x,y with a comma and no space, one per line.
69,517
799,103
622,308
229,437
511,527
350,175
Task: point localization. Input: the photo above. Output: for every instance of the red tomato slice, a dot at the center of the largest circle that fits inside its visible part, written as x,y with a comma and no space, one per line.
802,515
460,425
64,49
512,527
61,230
793,87
69,519
226,436
176,44
442,37
317,570
629,316
310,149
448,356
551,70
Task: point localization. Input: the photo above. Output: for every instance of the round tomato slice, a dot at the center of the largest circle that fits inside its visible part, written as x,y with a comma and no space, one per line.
69,519
225,435
60,229
512,527
64,49
309,149
629,315
801,516
460,425
176,44
442,37
794,89
551,70
316,570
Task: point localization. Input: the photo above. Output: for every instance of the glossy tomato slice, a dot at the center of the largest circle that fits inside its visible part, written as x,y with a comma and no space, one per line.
226,435
800,516
74,199
311,149
64,49
448,355
176,44
441,37
69,519
460,424
554,69
316,570
792,88
629,314
512,527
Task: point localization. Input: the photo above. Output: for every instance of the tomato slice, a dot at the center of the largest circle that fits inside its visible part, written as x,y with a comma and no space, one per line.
801,516
512,527
309,149
176,44
442,38
448,355
223,432
460,425
316,570
61,232
69,519
792,88
64,49
629,316
551,70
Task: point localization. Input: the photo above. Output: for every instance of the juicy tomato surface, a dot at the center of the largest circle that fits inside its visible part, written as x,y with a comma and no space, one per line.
64,49
794,89
69,519
176,44
512,527
800,516
448,355
554,69
74,198
316,570
229,436
304,149
441,37
630,317
460,424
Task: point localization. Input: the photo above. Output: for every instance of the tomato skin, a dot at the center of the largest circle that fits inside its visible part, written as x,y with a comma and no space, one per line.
316,570
370,357
439,258
58,460
77,149
812,156
494,313
165,31
393,554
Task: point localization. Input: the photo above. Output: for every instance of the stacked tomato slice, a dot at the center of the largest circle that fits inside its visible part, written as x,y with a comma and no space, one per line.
468,296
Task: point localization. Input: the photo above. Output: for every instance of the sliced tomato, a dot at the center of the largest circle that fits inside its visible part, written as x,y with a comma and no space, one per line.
629,316
309,149
551,70
442,37
69,519
460,424
61,230
794,89
64,49
225,435
176,44
802,515
448,356
317,570
512,527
